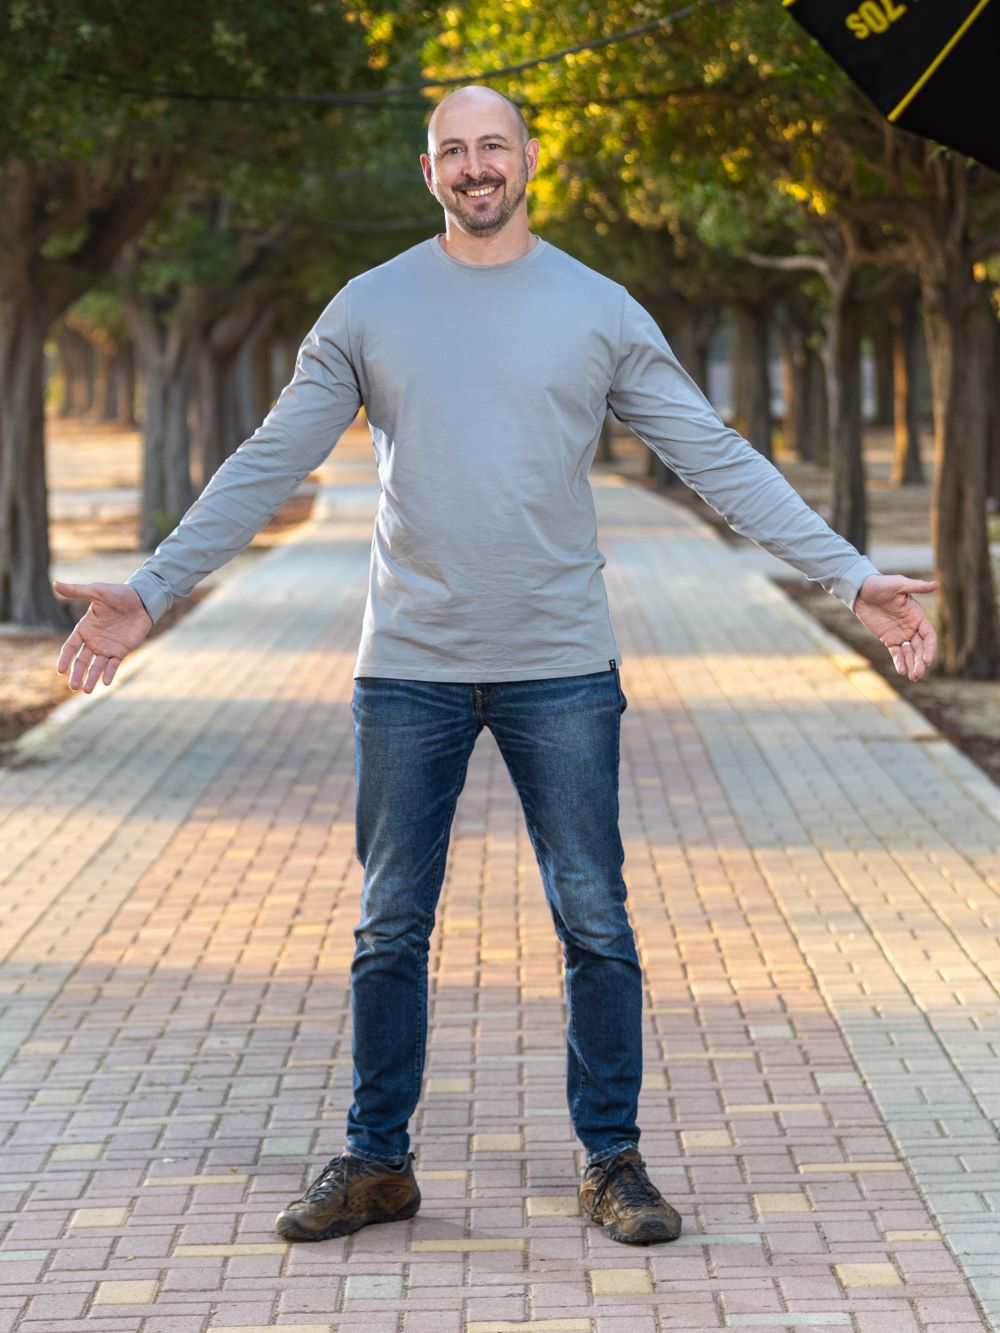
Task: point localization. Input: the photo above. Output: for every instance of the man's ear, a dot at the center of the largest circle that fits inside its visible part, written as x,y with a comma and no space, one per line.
531,157
426,168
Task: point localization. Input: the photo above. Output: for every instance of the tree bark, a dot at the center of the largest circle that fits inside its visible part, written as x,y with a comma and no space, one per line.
26,595
816,425
960,338
904,322
792,386
253,373
842,366
993,482
231,400
694,327
124,382
76,372
752,381
166,355
883,353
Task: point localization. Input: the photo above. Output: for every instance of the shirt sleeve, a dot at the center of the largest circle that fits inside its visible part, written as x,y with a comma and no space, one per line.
314,409
654,396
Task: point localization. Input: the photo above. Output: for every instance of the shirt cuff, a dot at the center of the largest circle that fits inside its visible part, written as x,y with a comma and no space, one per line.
154,596
847,584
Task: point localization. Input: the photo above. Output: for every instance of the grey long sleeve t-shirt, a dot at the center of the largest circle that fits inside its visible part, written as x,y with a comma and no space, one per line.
485,389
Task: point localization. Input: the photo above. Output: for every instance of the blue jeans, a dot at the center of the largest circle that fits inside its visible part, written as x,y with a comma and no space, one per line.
560,741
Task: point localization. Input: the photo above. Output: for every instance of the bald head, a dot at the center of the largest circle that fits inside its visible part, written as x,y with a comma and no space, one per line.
478,163
451,112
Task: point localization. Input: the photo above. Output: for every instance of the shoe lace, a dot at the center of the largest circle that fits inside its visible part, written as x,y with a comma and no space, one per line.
632,1186
335,1176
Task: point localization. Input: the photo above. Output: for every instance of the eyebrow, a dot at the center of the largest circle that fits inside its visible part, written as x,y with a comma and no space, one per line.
483,138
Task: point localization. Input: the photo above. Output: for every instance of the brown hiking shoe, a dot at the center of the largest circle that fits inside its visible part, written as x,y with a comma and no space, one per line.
621,1198
348,1194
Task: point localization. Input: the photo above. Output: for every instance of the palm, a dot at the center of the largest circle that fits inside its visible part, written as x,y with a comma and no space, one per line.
886,606
115,623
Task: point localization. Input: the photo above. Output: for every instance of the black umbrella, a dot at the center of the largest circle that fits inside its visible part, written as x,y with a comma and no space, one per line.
931,66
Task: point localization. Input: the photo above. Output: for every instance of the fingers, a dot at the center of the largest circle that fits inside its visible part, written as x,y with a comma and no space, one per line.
930,644
94,674
68,651
912,657
87,669
909,655
80,668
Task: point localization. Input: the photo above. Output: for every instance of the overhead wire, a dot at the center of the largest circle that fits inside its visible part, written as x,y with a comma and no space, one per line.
382,96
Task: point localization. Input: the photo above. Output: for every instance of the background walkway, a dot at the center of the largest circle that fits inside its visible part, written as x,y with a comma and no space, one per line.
813,878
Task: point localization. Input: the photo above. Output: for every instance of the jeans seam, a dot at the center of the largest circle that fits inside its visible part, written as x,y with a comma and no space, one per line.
420,1047
567,943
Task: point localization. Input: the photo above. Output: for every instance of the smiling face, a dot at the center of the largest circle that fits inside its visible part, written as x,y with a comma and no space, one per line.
479,160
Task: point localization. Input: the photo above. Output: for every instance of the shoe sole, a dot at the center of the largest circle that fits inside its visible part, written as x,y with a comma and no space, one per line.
290,1231
649,1233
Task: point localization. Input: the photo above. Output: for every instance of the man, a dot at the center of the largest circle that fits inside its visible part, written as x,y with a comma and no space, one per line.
486,360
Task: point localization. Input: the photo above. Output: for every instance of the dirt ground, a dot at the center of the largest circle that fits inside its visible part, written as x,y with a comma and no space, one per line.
93,473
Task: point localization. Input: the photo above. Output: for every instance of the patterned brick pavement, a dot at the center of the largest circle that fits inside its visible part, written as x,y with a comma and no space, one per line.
813,878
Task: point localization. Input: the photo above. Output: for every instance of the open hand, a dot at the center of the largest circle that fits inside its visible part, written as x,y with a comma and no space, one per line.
115,623
886,606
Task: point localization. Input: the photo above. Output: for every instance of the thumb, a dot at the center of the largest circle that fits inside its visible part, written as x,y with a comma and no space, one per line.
917,585
82,592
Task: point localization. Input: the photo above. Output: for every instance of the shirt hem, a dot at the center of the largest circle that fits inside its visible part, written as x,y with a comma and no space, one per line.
483,675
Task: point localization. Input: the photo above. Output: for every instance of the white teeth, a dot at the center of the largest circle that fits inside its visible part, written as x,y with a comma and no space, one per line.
476,194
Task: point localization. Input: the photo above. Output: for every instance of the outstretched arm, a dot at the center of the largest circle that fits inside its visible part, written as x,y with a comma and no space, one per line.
314,409
653,395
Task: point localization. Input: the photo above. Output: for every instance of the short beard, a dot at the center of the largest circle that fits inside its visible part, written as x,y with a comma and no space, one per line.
490,225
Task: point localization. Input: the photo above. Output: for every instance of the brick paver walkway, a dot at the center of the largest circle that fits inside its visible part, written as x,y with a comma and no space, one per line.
813,878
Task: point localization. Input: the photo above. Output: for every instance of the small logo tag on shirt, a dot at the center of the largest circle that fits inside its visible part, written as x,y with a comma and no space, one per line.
612,663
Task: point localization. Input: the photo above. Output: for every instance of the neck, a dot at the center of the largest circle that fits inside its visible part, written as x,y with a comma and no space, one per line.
511,242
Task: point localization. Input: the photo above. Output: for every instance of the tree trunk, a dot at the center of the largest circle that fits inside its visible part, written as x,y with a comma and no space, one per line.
216,433
76,372
960,342
907,467
166,357
816,427
124,379
253,373
883,351
792,386
993,482
232,400
694,327
104,376
26,596
751,376
842,366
